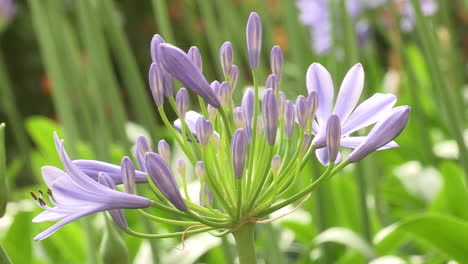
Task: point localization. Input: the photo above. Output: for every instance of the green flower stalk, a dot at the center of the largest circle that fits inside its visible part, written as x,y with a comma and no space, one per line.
248,157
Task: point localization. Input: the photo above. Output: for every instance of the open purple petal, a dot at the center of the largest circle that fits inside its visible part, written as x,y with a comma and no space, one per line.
353,142
320,81
350,91
93,167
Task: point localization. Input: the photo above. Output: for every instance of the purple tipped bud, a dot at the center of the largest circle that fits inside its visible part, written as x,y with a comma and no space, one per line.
383,132
200,170
302,111
212,112
182,102
177,63
116,214
224,94
204,131
289,120
248,105
128,174
209,196
162,177
156,82
306,143
312,104
225,55
239,117
181,167
141,148
281,104
254,39
276,61
164,150
272,82
238,151
234,77
155,42
168,86
195,57
215,86
333,137
275,164
270,115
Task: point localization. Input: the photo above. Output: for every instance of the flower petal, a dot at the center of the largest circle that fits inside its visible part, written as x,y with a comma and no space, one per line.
320,81
322,156
93,167
51,174
353,142
369,112
350,91
48,216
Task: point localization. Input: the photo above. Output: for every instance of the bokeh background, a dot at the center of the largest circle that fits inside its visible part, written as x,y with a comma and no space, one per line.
79,67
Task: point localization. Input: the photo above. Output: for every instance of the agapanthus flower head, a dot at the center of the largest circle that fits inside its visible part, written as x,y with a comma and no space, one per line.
73,195
247,155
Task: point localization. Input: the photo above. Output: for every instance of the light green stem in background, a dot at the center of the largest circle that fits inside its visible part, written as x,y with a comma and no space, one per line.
3,174
4,259
245,243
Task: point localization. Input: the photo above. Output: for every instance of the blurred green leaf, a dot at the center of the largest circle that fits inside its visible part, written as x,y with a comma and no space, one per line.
41,129
348,238
447,234
3,173
19,236
113,248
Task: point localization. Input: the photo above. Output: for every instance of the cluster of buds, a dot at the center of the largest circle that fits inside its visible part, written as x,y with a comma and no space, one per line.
247,158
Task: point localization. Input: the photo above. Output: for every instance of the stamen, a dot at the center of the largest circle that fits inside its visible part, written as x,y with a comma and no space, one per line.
41,202
33,196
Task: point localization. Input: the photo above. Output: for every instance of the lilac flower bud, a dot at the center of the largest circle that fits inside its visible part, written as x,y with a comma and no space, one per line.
181,166
182,102
289,120
200,170
212,112
234,77
195,57
162,177
156,82
306,143
215,86
383,132
164,150
312,104
275,164
248,105
238,151
177,63
276,61
204,131
155,42
128,174
333,137
224,94
302,111
239,117
209,196
281,104
225,54
168,86
116,214
270,115
272,82
254,39
142,146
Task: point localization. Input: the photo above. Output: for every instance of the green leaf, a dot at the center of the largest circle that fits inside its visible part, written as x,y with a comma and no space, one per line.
387,260
113,248
347,238
447,234
18,240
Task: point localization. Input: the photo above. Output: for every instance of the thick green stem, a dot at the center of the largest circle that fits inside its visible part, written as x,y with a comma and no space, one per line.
245,243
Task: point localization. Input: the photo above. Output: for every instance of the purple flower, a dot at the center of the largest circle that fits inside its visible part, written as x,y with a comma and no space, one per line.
333,137
163,178
383,132
7,10
352,119
270,115
155,42
272,82
92,168
128,175
75,195
178,64
141,147
276,61
182,100
156,82
225,55
116,214
224,94
195,57
289,119
191,118
234,77
254,39
302,112
204,130
248,106
238,151
164,150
